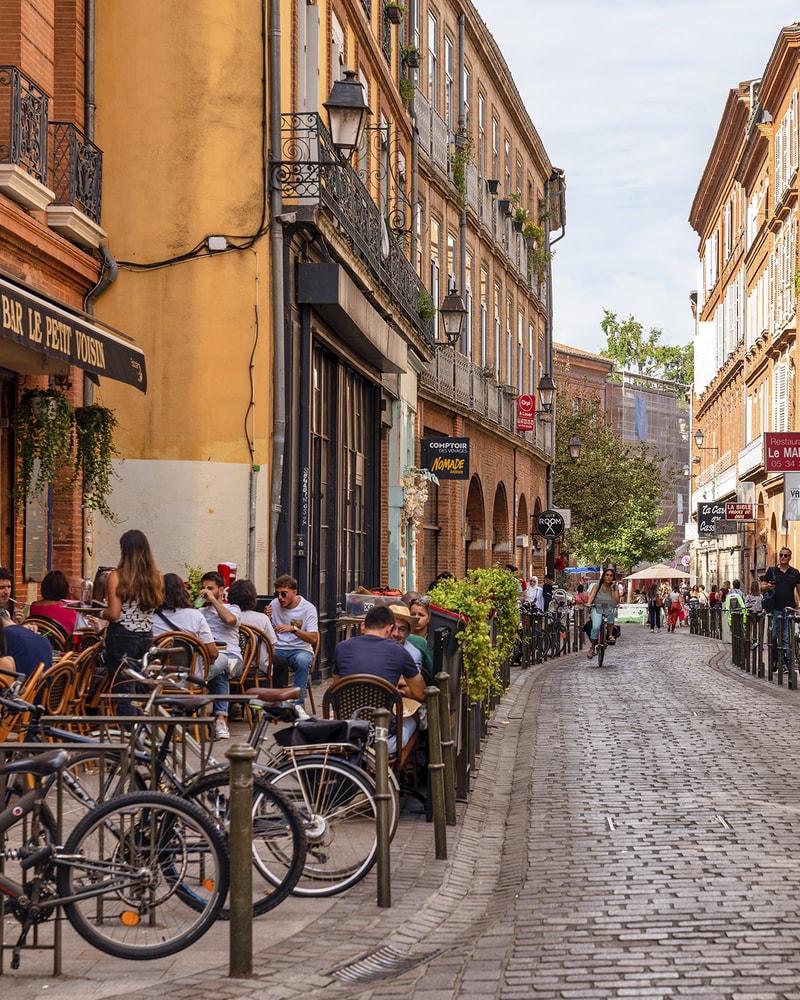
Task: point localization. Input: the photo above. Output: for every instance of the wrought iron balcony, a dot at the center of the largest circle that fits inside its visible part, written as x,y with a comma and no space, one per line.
76,169
310,172
456,378
23,123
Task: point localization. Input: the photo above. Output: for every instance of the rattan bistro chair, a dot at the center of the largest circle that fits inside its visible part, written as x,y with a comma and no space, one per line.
357,696
53,631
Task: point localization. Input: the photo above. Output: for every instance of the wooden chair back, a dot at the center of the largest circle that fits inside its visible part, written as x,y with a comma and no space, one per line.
357,696
53,631
195,656
57,686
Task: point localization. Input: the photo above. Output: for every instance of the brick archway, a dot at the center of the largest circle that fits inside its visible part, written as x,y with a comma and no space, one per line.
476,526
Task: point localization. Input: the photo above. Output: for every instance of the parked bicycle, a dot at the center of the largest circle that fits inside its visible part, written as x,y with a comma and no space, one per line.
124,876
101,773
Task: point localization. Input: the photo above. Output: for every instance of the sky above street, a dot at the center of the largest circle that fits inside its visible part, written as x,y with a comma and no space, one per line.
627,96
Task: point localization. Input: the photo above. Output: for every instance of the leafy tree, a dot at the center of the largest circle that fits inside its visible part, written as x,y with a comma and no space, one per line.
676,363
627,344
614,491
631,349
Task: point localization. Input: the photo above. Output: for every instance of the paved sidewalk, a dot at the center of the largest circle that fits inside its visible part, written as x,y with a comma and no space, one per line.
305,945
631,833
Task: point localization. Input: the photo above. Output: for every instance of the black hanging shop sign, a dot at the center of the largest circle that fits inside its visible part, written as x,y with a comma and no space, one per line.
47,329
446,457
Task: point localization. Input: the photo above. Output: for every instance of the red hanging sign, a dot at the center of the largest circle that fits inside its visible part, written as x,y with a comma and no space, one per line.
526,413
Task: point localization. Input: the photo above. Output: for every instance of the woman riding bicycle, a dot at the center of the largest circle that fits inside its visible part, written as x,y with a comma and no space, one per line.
603,600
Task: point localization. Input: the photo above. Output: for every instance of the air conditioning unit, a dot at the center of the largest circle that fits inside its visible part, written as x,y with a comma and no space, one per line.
521,541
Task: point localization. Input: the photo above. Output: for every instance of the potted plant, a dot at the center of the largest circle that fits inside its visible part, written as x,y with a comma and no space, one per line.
504,204
410,56
43,432
395,12
425,306
407,90
486,601
493,185
532,234
94,436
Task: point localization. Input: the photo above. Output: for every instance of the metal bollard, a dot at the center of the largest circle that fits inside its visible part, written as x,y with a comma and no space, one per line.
383,798
436,772
240,837
448,749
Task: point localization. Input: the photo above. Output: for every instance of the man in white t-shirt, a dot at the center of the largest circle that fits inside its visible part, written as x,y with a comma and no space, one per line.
223,620
296,625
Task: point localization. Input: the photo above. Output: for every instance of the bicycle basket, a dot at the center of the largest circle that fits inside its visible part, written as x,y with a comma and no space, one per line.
314,732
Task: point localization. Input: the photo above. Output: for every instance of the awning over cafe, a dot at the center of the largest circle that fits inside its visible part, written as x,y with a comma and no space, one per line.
34,332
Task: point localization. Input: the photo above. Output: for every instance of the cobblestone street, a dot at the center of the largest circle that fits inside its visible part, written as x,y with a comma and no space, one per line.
631,833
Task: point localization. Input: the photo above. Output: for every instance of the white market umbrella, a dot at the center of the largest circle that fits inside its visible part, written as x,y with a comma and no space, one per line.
659,572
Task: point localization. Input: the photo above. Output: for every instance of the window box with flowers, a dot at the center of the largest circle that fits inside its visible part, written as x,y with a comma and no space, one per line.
395,12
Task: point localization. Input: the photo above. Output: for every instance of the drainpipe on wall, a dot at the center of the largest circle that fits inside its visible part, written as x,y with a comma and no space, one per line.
276,238
462,122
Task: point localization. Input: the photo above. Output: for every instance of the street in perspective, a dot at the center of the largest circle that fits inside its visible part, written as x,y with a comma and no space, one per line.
399,499
631,833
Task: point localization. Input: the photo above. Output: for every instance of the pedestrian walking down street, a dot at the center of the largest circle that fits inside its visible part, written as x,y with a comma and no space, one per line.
782,582
674,609
654,603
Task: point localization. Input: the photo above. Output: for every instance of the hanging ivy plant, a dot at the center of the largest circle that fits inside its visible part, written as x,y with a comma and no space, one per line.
43,432
94,434
462,156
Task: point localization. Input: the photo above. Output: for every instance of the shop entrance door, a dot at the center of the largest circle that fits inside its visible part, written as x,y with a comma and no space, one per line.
344,488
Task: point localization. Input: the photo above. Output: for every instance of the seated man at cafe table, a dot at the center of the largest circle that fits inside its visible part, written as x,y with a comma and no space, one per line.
296,624
375,652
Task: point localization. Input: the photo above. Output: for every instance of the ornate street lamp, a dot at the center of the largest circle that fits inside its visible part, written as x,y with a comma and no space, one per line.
347,113
547,393
453,313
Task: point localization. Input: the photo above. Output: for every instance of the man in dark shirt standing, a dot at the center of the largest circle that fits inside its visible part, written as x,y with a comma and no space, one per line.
783,581
373,652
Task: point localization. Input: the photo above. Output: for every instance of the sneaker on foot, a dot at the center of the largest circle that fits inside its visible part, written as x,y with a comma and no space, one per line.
302,714
221,731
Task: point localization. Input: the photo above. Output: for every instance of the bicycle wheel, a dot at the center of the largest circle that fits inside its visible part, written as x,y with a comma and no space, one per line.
279,837
601,649
131,861
90,777
336,802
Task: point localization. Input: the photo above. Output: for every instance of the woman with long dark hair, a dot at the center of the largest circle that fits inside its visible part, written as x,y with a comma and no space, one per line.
604,600
135,591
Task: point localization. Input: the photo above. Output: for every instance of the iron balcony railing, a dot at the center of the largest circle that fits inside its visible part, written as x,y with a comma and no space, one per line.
456,378
76,169
23,123
310,172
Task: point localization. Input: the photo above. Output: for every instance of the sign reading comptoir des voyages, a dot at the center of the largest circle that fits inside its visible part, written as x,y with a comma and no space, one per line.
446,457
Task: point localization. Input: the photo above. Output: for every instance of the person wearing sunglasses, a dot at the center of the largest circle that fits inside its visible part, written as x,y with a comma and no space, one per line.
782,582
296,625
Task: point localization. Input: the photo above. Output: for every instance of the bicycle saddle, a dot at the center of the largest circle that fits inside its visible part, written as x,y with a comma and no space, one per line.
271,695
41,765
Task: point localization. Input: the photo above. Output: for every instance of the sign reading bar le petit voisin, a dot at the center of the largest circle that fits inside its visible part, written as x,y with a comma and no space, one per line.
782,452
447,457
